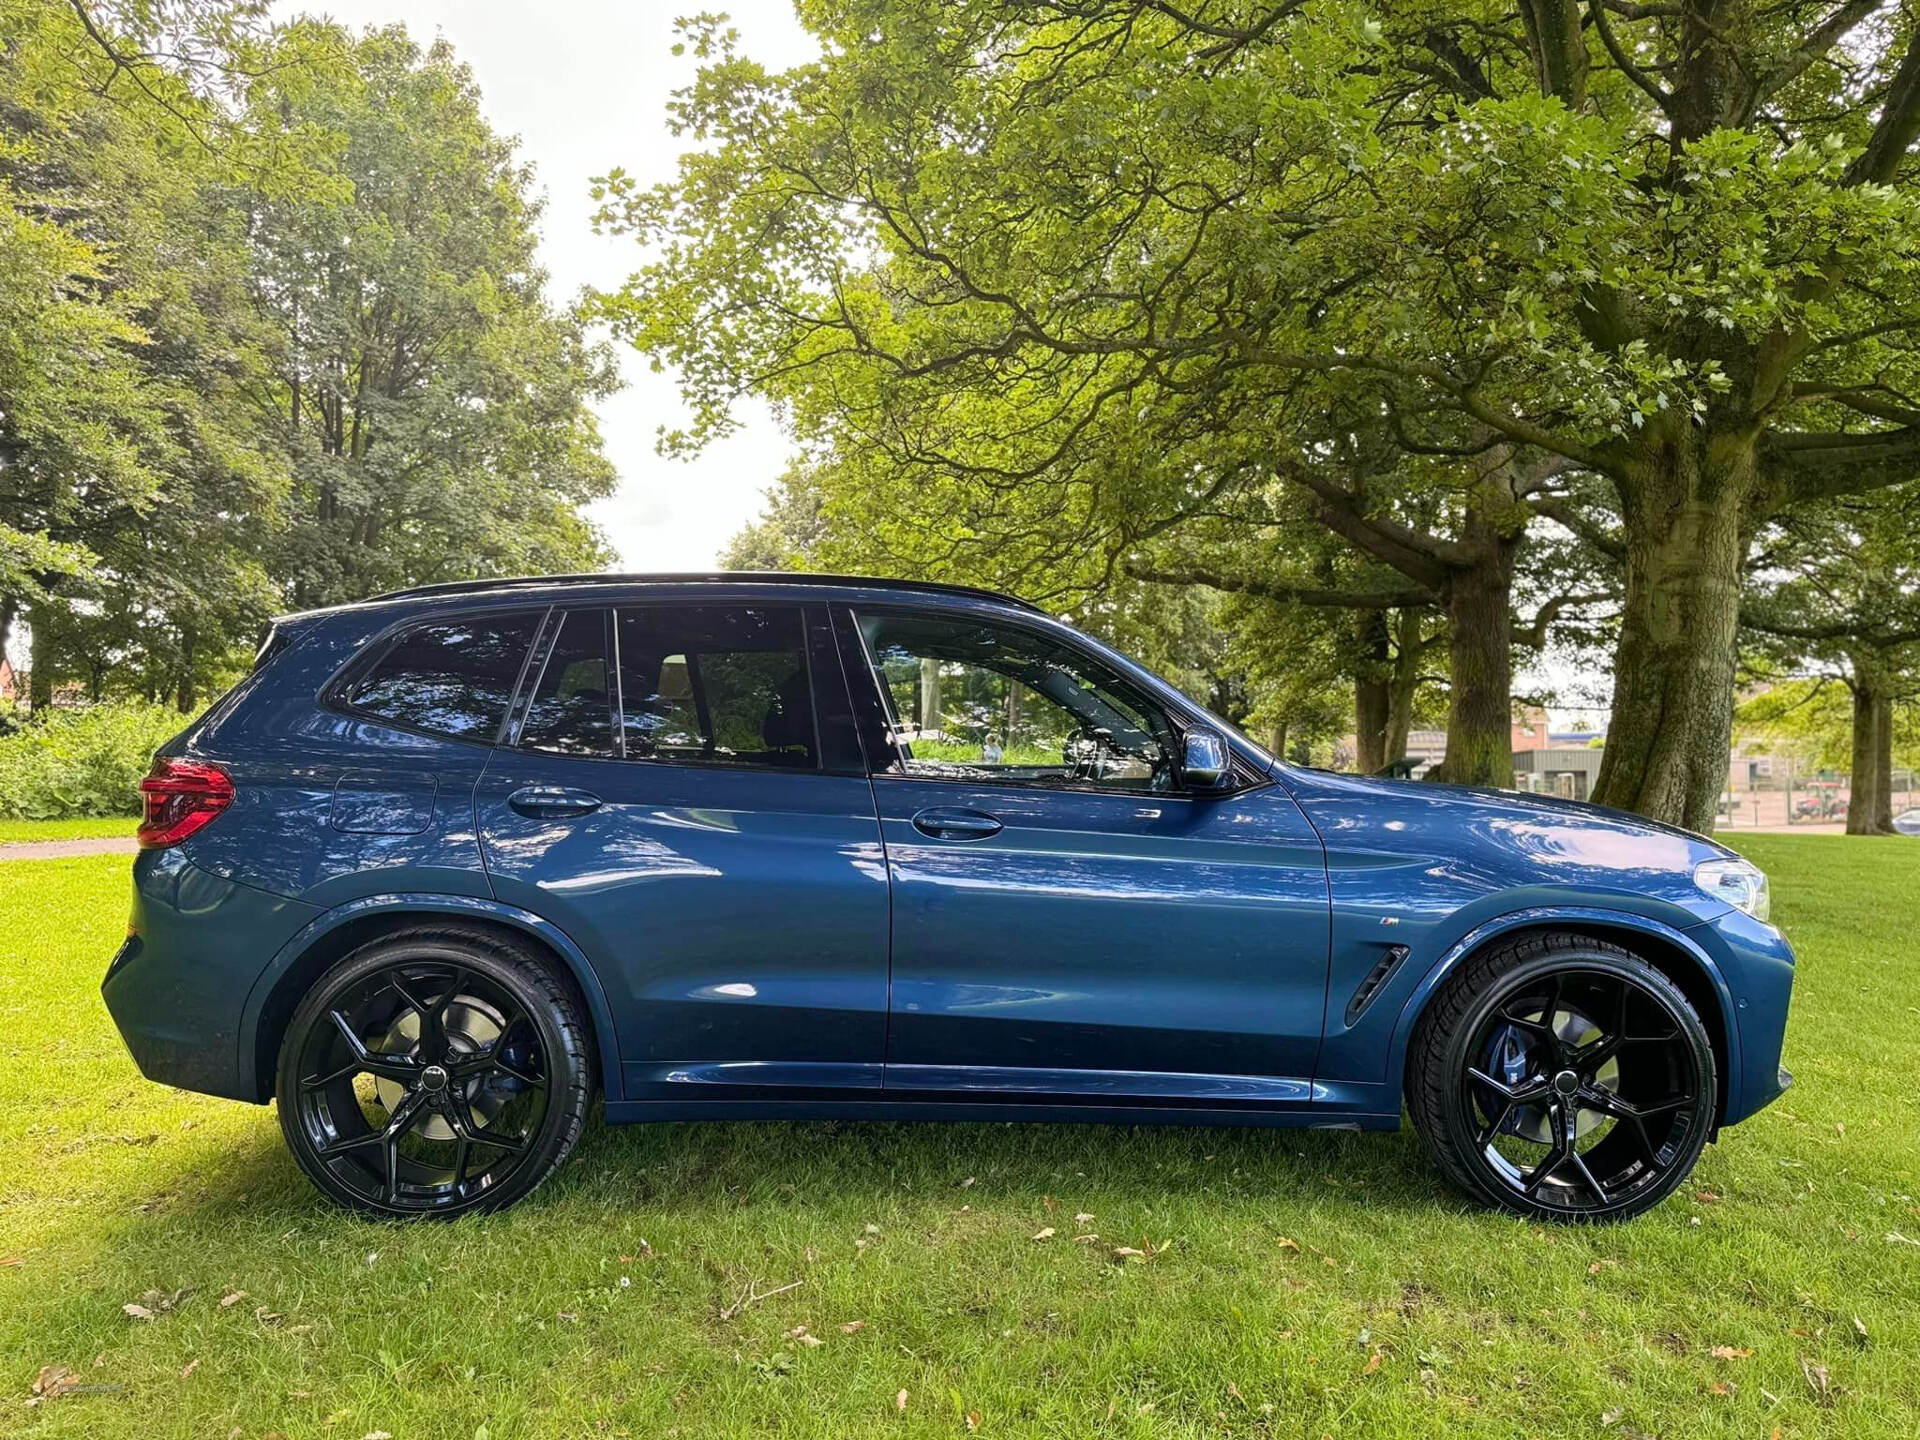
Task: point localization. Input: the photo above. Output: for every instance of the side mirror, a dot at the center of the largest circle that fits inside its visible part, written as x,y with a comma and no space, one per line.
1205,763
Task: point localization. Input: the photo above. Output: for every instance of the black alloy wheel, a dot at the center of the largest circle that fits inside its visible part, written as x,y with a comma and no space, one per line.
1563,1078
434,1071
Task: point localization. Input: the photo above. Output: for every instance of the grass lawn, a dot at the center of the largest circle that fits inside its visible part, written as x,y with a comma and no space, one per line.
115,827
1301,1284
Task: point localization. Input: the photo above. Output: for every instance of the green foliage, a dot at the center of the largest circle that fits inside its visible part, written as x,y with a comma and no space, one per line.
272,334
433,403
72,763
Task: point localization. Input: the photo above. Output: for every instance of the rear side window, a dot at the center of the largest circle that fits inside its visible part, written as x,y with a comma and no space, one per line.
723,685
571,712
451,677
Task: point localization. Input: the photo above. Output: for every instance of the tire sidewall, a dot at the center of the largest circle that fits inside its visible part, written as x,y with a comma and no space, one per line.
1453,1055
562,1044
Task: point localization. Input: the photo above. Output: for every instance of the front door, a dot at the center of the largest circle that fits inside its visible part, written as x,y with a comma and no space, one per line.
1070,923
673,798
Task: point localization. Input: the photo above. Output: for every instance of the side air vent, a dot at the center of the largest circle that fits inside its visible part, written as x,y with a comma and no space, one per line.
1375,982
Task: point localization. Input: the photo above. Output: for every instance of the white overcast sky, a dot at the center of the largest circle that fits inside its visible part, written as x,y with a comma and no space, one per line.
583,84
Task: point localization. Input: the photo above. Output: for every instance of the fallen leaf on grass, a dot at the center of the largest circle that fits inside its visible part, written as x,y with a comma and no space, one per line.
1720,1387
136,1312
1706,1197
376,1435
1731,1352
1087,1239
54,1380
232,1298
1859,1327
9,1260
191,1366
1287,1243
1894,1237
853,1327
1613,1416
900,1402
1817,1379
1373,1363
1044,1234
1083,1218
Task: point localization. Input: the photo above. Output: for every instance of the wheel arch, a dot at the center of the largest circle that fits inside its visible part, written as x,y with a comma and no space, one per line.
1670,951
304,958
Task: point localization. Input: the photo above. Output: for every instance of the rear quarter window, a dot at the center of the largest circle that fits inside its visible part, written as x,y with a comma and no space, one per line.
452,677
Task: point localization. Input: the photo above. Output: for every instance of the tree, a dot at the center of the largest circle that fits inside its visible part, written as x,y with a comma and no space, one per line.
1671,245
434,405
1838,592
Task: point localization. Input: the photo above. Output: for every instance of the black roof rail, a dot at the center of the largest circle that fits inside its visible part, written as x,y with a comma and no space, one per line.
708,577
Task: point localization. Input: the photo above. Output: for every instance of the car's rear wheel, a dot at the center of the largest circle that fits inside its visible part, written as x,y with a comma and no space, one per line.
1563,1078
433,1071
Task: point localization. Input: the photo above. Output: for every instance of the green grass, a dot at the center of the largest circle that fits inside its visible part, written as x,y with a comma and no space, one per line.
598,1307
119,827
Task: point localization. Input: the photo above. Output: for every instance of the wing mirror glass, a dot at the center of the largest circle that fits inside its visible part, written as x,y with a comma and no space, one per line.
1205,763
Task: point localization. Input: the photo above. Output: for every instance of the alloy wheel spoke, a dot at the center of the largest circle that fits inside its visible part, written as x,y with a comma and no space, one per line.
1579,1163
1520,1094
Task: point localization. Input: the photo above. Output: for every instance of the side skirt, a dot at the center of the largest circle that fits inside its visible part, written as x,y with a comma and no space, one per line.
634,1112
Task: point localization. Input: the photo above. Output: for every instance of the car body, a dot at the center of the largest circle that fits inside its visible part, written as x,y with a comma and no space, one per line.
800,847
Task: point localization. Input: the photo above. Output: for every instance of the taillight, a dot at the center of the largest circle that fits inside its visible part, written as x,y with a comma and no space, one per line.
181,796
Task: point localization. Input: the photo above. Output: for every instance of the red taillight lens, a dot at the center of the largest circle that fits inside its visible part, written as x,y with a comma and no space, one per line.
181,796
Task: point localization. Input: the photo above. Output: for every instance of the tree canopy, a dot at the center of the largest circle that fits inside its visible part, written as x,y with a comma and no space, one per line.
1070,274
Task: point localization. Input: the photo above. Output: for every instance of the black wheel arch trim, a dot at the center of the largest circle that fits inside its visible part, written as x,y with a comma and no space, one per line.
1621,927
281,981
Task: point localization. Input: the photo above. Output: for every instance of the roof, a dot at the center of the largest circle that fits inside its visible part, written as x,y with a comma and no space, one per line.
710,577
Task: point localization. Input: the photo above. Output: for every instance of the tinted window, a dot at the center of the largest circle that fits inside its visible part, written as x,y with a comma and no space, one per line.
968,700
722,685
572,707
453,677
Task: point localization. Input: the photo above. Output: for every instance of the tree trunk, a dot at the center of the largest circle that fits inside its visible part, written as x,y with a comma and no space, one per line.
1480,656
1410,652
40,680
1372,700
1670,737
1870,807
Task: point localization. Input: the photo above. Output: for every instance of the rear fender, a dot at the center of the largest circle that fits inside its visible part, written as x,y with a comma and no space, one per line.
549,935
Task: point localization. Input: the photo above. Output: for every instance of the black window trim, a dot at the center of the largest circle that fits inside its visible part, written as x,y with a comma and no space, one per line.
856,657
333,693
549,633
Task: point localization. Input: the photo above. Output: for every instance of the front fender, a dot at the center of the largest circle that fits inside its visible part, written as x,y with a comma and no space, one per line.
1561,917
284,962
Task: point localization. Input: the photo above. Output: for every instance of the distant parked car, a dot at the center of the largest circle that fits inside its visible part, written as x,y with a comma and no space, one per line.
1907,822
777,846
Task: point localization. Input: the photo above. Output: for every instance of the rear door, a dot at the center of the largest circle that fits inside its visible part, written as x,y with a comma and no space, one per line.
681,791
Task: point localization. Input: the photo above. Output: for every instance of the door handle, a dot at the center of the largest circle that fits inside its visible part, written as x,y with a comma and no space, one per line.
552,802
956,824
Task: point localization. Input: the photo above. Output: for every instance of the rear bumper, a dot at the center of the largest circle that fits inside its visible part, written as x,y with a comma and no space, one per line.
178,985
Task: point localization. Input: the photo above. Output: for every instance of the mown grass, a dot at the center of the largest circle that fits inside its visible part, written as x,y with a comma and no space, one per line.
610,1304
86,828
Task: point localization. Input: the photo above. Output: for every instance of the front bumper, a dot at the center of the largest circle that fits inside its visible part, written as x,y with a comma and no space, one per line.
177,987
1757,964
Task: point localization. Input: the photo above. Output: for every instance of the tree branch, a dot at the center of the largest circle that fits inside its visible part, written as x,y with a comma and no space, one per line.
1286,591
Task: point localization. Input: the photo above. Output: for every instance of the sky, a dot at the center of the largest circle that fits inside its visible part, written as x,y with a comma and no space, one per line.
583,84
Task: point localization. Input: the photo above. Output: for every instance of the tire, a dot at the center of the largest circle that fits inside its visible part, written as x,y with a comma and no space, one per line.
1562,1078
436,1070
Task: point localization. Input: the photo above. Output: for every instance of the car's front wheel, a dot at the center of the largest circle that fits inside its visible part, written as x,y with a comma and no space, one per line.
1562,1078
432,1071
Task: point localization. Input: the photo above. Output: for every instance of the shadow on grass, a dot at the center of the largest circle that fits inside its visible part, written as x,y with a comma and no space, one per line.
722,1167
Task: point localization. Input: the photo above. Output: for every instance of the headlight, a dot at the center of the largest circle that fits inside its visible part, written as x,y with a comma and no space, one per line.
1740,883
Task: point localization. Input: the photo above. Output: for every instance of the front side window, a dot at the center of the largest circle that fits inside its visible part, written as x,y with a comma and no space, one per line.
722,685
973,700
449,677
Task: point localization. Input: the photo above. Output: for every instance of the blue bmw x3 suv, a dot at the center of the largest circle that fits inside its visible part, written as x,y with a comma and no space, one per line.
449,861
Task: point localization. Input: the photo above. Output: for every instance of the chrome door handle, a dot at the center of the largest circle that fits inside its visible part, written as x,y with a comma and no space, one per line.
956,824
552,802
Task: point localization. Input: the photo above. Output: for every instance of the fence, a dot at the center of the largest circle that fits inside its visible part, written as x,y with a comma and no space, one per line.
1786,796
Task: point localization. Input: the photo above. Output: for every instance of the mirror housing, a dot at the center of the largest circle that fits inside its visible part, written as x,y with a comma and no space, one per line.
1205,761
